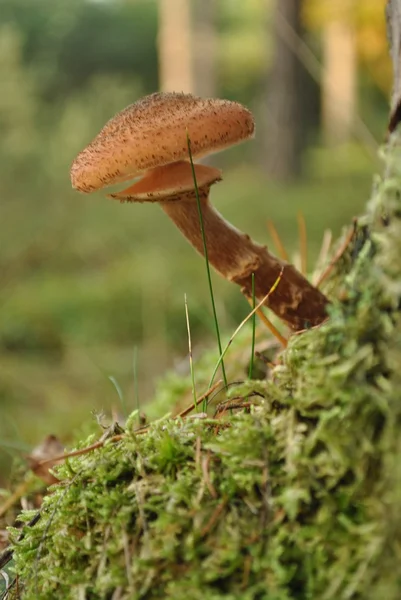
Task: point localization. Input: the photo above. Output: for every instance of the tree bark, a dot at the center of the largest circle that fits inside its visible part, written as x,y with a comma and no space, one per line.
393,14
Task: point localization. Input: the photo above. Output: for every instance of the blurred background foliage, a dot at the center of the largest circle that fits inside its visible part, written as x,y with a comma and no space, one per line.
85,283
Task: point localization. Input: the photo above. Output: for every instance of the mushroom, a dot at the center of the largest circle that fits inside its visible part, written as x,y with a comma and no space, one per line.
149,139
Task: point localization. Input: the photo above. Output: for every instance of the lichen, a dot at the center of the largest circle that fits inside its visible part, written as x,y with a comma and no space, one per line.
298,498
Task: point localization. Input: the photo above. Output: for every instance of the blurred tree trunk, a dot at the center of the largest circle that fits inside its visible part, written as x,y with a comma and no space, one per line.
175,46
187,46
339,80
204,36
285,138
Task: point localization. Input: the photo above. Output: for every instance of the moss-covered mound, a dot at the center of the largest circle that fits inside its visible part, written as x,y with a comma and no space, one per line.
298,498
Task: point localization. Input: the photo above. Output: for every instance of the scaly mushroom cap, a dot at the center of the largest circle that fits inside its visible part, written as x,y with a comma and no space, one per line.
173,181
153,132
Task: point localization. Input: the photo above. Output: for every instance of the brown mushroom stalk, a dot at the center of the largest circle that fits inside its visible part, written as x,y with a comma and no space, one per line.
149,138
235,256
232,253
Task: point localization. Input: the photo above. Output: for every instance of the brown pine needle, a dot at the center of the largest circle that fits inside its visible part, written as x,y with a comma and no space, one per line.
246,573
100,444
303,242
214,518
269,324
222,410
323,254
206,476
277,241
189,408
117,438
337,256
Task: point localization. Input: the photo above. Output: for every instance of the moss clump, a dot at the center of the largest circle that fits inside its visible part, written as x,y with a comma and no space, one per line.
297,499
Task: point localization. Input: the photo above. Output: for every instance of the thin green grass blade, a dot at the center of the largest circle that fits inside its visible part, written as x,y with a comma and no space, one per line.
120,394
135,372
240,326
253,328
209,277
191,363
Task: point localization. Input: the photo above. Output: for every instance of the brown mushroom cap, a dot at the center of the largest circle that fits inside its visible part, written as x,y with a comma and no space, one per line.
153,132
170,181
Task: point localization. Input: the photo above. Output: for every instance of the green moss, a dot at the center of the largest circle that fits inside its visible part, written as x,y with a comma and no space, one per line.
296,499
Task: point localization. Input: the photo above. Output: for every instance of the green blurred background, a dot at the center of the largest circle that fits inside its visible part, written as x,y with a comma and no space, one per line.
86,284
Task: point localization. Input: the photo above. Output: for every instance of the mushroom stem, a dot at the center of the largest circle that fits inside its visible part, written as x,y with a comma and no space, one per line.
235,256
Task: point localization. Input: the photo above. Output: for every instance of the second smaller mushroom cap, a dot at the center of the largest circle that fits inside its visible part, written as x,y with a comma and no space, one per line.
169,182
